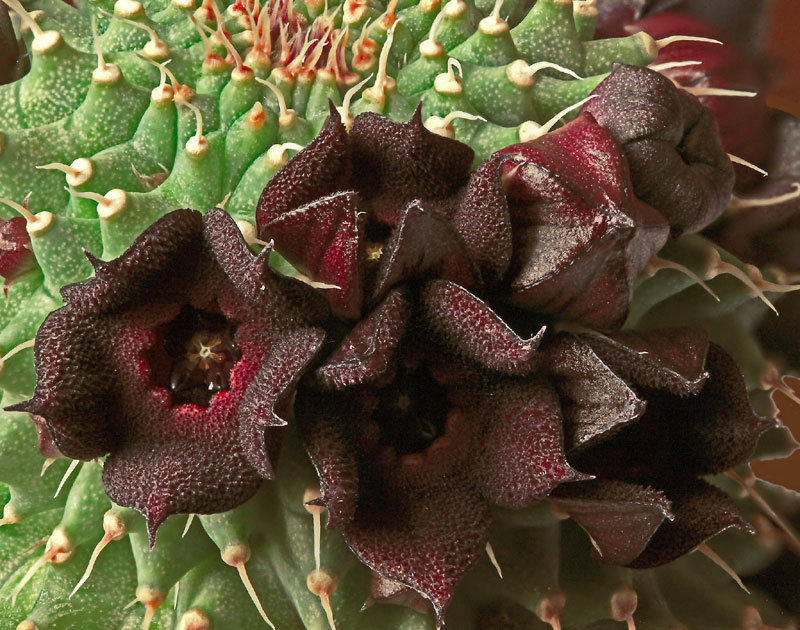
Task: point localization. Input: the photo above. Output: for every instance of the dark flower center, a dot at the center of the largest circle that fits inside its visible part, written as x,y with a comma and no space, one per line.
202,351
412,412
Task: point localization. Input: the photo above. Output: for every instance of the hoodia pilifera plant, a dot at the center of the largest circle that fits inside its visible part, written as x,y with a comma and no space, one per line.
399,316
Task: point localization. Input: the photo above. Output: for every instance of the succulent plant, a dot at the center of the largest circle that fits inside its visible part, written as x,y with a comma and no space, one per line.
484,322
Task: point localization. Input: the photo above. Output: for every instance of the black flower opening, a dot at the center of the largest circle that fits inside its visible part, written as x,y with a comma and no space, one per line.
202,352
412,412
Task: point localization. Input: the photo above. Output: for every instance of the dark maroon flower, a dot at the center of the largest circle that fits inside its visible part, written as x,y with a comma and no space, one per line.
423,417
16,256
580,236
349,198
742,121
676,158
176,359
649,414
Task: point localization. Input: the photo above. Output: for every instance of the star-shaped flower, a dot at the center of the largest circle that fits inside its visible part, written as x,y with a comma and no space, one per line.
425,415
177,360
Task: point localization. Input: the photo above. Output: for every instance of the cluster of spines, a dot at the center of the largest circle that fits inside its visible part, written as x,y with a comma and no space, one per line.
235,90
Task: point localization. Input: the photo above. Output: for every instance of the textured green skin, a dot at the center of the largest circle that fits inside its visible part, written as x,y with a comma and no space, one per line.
121,126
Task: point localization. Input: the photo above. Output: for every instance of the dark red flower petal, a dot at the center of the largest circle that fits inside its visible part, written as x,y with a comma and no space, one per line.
106,366
676,158
426,538
620,518
469,329
325,422
323,240
595,401
269,394
701,511
523,456
145,271
424,244
707,433
672,359
367,355
321,168
400,162
580,236
483,221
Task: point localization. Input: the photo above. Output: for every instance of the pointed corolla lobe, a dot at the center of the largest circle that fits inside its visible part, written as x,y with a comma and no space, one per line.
580,236
742,121
678,410
395,163
311,213
672,144
16,256
418,423
390,194
176,359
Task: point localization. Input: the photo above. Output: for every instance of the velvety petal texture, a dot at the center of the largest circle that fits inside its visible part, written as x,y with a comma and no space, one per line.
176,360
404,161
742,121
418,423
672,143
366,210
685,413
580,236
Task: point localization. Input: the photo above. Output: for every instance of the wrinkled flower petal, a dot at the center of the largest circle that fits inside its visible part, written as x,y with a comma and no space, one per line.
580,236
468,328
676,418
401,162
742,121
424,245
483,221
620,518
672,144
103,365
701,511
367,355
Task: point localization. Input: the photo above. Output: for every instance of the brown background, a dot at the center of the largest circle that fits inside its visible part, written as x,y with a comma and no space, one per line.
783,46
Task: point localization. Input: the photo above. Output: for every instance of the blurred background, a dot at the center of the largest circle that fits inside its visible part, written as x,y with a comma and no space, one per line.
782,50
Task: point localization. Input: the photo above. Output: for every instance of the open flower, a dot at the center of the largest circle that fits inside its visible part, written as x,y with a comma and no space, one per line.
177,360
424,416
648,414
